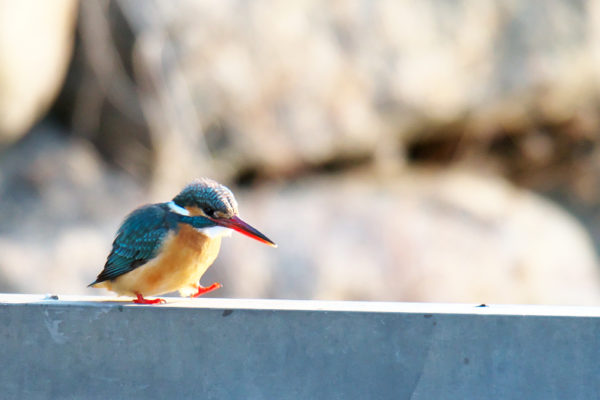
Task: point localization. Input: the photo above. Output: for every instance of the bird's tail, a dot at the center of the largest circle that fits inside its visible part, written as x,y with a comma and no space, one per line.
95,283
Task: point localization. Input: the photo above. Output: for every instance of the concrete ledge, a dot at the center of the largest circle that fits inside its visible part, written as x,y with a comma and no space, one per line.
95,347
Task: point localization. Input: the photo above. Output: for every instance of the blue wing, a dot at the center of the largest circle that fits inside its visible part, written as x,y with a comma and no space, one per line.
138,240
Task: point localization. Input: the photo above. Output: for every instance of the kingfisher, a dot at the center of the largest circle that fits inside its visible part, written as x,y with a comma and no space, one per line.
166,247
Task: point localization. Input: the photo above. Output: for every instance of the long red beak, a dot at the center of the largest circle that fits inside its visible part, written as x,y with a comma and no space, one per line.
237,224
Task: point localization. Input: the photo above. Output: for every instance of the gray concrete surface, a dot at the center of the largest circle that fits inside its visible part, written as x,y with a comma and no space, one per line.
100,348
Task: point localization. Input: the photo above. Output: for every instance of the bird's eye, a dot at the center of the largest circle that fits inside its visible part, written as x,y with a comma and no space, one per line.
209,211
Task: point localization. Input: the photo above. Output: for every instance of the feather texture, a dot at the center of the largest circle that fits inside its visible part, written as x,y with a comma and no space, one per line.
141,236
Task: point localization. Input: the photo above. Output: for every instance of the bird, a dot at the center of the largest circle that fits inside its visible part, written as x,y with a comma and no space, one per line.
166,247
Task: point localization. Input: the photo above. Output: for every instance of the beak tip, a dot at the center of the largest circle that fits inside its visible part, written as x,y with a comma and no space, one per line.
237,224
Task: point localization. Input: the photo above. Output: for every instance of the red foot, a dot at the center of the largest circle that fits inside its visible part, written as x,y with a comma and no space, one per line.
141,300
203,290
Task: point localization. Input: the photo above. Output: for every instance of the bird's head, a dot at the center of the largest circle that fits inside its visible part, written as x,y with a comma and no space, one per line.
209,199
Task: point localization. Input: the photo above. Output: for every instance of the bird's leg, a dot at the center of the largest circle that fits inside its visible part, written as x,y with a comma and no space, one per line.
203,290
141,300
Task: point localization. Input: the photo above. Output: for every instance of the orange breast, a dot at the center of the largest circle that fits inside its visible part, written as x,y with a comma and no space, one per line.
183,259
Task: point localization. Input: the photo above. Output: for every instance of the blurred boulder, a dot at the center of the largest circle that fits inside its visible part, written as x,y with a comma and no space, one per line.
263,89
287,91
36,40
425,236
60,208
449,236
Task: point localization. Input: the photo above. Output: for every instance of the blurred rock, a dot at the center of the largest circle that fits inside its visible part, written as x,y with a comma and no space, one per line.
286,91
60,208
421,236
426,236
272,89
36,40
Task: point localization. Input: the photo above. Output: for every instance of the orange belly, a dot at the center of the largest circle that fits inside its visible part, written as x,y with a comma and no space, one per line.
183,259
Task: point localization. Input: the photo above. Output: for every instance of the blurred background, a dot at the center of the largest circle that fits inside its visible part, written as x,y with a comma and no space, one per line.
395,150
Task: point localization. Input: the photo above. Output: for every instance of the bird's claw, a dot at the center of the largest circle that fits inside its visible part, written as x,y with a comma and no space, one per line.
203,290
141,300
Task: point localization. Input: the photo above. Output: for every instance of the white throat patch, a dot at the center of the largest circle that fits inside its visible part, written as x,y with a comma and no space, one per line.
215,231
